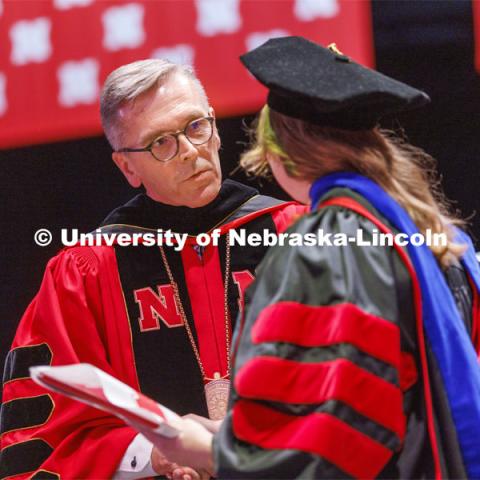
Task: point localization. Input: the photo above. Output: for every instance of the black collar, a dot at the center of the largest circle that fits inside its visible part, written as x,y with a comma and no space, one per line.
144,212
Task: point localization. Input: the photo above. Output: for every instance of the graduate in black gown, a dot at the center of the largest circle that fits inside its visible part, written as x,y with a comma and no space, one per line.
353,358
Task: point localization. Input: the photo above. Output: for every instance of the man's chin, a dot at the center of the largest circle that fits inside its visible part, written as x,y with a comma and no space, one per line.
206,195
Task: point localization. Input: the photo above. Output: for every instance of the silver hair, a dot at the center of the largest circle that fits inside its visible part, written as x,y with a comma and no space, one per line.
128,82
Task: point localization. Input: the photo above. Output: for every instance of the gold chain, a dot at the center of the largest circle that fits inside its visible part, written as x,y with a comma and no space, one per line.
184,316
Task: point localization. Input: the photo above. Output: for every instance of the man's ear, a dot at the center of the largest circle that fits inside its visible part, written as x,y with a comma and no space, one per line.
216,136
123,163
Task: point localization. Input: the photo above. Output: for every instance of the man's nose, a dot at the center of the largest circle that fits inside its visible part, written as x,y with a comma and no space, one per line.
186,149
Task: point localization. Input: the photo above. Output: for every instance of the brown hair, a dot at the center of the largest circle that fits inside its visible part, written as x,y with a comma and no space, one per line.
406,172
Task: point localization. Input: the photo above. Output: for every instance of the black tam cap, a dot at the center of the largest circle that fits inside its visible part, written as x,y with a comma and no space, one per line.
324,87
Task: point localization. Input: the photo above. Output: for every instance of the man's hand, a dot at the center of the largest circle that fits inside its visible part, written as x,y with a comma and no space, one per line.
185,473
162,466
192,447
160,463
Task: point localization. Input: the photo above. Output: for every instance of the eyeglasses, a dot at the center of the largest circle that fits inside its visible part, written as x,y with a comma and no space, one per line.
164,148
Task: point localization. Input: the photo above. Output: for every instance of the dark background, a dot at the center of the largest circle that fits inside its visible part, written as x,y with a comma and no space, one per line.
428,44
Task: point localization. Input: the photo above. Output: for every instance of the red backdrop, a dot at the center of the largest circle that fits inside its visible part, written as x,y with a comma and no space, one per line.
55,54
476,24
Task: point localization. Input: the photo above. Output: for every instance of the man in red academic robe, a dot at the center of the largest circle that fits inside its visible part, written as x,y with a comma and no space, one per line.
158,318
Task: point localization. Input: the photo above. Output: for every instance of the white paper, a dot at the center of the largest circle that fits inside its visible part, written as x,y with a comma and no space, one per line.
92,386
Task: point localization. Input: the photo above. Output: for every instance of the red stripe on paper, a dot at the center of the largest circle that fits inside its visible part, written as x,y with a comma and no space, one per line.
319,433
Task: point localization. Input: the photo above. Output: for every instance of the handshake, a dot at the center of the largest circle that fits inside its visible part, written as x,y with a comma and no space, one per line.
191,448
182,446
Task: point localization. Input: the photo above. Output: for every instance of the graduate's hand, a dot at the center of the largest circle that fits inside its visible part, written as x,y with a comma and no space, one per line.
192,447
212,426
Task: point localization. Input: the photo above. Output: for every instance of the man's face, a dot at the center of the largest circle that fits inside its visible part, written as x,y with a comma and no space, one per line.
193,177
